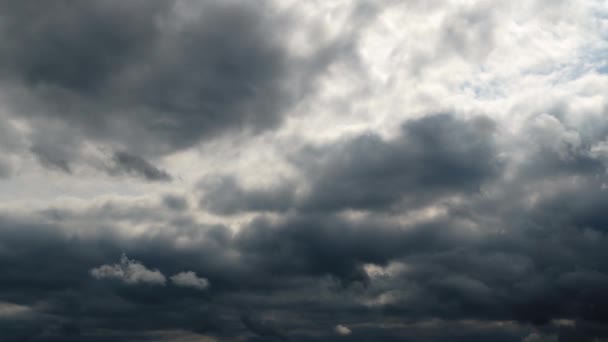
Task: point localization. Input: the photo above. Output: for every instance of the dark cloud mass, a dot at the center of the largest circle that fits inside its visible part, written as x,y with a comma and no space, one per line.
236,214
263,329
432,157
142,76
308,274
476,271
224,195
136,165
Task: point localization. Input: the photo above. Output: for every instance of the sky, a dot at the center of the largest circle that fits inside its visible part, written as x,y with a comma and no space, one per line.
318,170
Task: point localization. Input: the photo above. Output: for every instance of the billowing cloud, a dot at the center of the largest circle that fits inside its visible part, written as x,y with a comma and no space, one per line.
432,157
343,330
189,279
303,171
178,74
130,272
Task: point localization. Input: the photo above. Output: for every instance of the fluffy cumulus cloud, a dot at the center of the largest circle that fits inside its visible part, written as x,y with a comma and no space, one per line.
130,272
303,170
190,279
343,330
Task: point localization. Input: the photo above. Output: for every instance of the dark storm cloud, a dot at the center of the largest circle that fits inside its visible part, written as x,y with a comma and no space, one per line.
224,195
75,46
62,292
308,272
138,166
438,233
263,328
526,251
309,245
52,284
582,206
493,266
432,157
144,77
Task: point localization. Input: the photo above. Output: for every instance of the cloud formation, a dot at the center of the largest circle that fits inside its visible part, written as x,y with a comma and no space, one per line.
343,330
179,74
130,272
189,279
412,171
138,166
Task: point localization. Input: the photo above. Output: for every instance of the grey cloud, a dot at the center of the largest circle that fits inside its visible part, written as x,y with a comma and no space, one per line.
521,260
175,202
474,240
5,169
466,31
52,158
308,244
432,157
143,77
263,328
582,206
54,53
536,337
224,195
494,266
12,143
11,139
56,146
68,303
469,32
289,267
128,163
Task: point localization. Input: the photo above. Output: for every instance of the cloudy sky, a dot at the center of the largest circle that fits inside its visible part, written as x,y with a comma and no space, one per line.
319,170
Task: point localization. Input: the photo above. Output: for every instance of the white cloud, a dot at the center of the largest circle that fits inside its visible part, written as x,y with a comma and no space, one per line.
11,310
343,330
130,272
190,279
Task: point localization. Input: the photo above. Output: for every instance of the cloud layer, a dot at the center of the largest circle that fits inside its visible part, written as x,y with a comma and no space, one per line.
303,171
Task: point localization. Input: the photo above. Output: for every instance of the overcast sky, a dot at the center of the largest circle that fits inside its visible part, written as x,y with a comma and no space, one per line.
319,170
